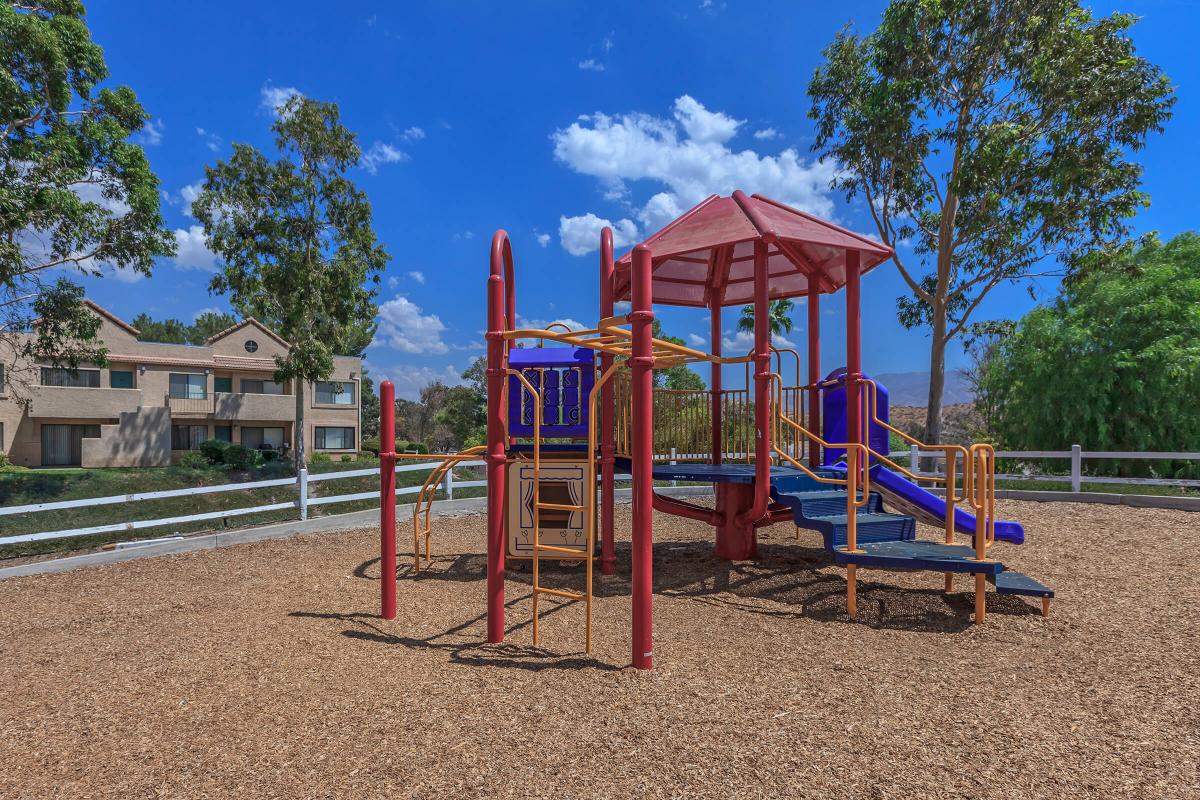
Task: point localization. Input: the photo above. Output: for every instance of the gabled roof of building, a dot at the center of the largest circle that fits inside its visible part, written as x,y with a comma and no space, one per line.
111,317
248,321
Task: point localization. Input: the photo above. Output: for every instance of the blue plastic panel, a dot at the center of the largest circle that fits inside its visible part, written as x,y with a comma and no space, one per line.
568,374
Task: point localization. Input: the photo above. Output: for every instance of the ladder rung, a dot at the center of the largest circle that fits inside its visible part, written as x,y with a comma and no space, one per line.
568,551
559,507
559,593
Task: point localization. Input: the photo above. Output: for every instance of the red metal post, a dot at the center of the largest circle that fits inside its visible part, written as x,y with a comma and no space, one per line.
499,280
853,350
762,390
607,446
387,499
814,369
718,448
641,363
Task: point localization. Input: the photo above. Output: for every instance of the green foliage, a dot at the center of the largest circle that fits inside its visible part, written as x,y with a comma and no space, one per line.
347,458
369,408
779,313
403,446
75,192
677,377
214,450
297,240
1113,364
371,445
194,459
320,458
238,457
993,134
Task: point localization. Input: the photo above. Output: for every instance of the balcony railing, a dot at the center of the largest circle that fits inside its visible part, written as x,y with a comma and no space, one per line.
257,407
190,405
79,402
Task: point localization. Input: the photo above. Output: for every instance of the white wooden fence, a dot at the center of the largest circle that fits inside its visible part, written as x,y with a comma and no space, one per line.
1077,455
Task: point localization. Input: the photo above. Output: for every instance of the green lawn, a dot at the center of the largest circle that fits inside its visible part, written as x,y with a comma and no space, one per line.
1098,485
43,486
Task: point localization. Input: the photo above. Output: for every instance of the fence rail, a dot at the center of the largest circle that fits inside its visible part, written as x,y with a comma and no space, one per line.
1077,455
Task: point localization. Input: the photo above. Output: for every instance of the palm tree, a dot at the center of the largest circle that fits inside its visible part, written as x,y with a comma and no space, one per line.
778,313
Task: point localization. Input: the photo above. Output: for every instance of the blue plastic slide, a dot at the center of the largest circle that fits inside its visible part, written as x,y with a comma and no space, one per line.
908,498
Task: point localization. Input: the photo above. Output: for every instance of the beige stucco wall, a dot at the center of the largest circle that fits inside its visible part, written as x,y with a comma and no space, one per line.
141,438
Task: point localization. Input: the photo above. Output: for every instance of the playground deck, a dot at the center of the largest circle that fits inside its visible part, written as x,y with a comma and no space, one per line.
262,670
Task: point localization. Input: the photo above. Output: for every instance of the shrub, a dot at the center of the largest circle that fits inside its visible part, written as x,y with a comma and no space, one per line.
411,447
269,455
239,457
371,445
194,459
347,458
213,450
319,458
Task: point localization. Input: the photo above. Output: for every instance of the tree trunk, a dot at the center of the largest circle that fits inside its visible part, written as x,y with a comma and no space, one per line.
937,382
298,426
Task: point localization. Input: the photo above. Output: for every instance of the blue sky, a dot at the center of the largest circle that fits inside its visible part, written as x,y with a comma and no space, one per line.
531,117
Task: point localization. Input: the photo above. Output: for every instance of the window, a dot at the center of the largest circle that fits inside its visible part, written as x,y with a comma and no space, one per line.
334,439
223,433
61,376
262,438
256,386
120,379
224,384
251,346
188,437
1,379
340,393
1,435
189,386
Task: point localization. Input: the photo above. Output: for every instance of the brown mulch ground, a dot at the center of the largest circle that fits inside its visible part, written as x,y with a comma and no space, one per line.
262,671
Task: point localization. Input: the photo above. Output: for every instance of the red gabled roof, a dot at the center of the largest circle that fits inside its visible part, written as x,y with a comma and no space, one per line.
244,323
710,249
111,317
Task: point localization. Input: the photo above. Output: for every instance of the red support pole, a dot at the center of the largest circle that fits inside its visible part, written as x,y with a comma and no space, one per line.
718,448
387,499
608,555
853,350
641,363
499,280
814,369
762,395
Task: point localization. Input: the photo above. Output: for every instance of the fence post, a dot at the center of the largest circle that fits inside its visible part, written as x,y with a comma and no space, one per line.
448,484
302,485
673,463
914,465
1076,468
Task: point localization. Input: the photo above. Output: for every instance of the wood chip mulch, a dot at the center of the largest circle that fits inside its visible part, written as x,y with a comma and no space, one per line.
262,670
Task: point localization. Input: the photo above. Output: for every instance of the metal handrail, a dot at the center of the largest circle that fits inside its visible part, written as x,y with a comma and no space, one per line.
427,495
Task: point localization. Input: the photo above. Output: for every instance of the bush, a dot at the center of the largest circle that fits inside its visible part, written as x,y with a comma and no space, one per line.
347,458
269,455
213,450
194,459
239,457
371,445
319,458
411,447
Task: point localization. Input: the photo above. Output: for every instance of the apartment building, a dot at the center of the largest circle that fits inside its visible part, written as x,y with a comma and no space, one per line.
153,402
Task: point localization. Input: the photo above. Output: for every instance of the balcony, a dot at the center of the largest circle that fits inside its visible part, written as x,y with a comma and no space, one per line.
190,406
79,402
256,407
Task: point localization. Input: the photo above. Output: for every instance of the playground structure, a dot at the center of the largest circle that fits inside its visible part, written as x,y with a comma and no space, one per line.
811,453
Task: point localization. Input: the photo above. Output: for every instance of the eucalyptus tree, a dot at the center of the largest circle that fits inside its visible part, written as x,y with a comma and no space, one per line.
296,238
991,139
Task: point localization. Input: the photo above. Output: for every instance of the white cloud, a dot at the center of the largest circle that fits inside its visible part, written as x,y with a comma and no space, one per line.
381,153
581,235
543,239
393,282
403,327
209,310
542,324
766,133
690,156
191,252
211,140
188,195
273,98
741,342
696,339
591,65
419,277
413,134
151,135
410,379
622,307
607,43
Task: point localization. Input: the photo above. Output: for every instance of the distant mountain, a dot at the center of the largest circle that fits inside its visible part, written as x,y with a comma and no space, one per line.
912,388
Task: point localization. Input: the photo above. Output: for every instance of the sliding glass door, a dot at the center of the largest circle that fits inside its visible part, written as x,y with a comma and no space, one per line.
62,445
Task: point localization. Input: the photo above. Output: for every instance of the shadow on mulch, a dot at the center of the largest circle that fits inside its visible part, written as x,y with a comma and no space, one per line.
791,578
505,655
